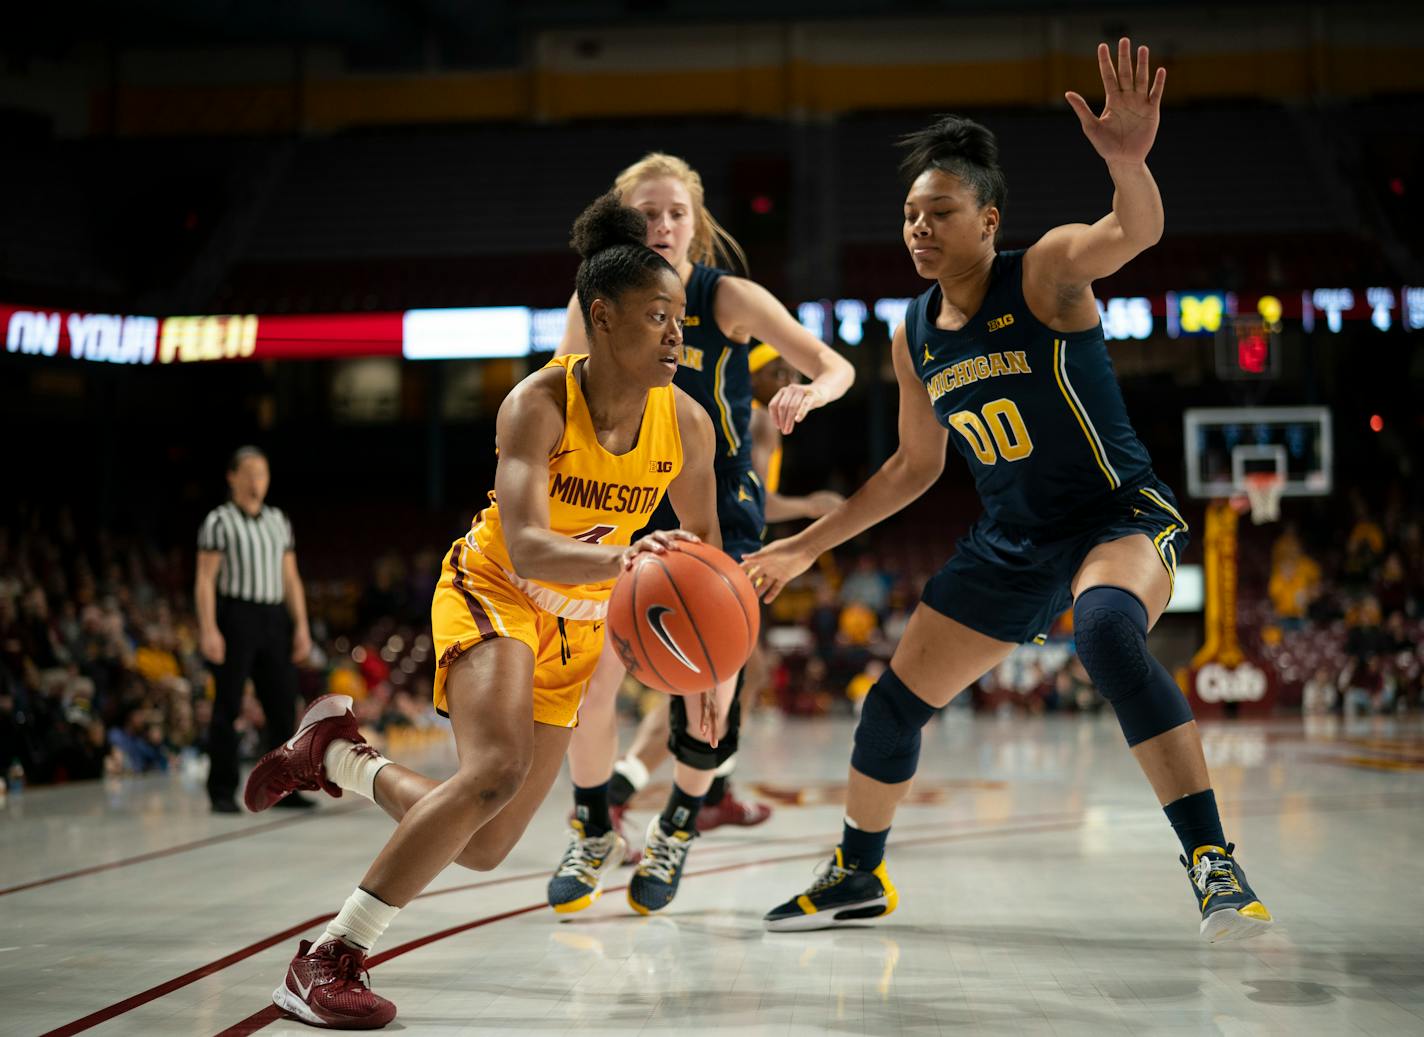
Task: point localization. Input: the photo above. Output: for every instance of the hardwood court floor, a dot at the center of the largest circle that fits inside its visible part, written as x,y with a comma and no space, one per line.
1040,894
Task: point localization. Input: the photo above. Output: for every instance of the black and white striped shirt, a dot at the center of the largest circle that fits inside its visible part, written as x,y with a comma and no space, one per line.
252,550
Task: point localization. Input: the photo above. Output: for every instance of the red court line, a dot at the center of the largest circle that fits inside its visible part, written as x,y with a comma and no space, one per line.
143,997
1036,823
260,1019
198,844
119,1008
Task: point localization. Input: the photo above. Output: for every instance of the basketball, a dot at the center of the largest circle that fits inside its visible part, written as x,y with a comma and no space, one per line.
684,621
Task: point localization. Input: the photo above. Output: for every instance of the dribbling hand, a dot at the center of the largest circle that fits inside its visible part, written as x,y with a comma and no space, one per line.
658,542
1125,131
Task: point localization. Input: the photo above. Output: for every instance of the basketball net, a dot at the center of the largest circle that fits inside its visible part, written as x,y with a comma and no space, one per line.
1263,490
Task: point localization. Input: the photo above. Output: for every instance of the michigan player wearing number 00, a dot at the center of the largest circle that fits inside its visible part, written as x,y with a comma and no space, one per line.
1004,355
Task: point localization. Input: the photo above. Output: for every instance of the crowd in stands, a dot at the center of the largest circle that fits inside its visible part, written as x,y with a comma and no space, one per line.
100,671
837,628
1345,619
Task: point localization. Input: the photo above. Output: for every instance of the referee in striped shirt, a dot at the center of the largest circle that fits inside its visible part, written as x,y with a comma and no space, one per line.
252,618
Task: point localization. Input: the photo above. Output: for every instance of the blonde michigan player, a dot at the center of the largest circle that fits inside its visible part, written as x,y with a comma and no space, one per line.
1006,352
588,446
724,314
770,373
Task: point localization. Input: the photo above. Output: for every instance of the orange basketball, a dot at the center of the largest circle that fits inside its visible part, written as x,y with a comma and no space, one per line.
683,621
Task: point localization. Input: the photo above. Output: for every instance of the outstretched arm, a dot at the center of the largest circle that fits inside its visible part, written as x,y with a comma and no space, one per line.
911,470
745,309
1077,254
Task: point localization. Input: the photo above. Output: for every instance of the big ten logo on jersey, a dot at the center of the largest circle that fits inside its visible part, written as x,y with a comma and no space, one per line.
1001,322
691,355
659,467
975,369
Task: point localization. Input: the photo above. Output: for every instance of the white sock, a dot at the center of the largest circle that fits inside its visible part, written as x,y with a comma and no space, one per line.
353,771
632,768
726,768
362,920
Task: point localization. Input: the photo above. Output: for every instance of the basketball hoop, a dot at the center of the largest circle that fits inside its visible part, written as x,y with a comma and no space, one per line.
1263,490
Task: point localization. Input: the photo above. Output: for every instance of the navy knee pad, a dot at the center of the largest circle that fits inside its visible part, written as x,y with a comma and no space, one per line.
691,750
887,739
1110,628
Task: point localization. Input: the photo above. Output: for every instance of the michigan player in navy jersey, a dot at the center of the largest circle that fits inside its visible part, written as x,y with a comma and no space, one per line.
1004,356
724,314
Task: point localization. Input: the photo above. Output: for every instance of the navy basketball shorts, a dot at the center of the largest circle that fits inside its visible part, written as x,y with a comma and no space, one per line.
1010,584
741,512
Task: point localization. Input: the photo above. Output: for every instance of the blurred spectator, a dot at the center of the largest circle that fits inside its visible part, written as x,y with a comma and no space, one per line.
857,625
1364,639
1320,693
1294,584
866,585
1392,587
1369,686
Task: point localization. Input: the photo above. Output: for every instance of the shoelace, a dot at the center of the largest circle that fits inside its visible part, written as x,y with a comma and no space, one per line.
827,875
663,856
1214,875
344,969
364,749
349,971
584,857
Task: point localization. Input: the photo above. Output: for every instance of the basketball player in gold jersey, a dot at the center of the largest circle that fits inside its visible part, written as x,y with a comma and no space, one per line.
587,448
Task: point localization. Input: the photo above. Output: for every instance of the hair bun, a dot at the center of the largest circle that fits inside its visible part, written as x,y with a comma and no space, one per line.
606,224
953,136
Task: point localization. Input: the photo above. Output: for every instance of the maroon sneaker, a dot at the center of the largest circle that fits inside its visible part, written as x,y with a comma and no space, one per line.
328,986
731,811
297,762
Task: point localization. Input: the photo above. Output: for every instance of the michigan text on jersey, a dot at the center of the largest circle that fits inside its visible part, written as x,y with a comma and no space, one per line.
974,369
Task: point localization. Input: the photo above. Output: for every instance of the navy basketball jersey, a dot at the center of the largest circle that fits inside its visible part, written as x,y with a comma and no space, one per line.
714,372
1036,413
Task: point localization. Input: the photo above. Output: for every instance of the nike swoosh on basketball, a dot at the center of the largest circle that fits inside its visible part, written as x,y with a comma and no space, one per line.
655,615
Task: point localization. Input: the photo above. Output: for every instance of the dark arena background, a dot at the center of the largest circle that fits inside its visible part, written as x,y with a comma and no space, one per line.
339,233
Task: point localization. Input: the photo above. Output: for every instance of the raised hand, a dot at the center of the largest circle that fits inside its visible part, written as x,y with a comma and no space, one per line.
1128,126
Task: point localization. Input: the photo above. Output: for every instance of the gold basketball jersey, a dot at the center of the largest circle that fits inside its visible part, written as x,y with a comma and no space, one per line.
773,463
594,496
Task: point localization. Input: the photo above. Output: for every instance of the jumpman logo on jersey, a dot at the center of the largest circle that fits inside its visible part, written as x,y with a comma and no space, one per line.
742,494
928,359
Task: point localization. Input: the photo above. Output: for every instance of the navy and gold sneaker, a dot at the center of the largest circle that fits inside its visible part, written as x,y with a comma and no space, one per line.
654,883
1230,910
579,880
839,896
